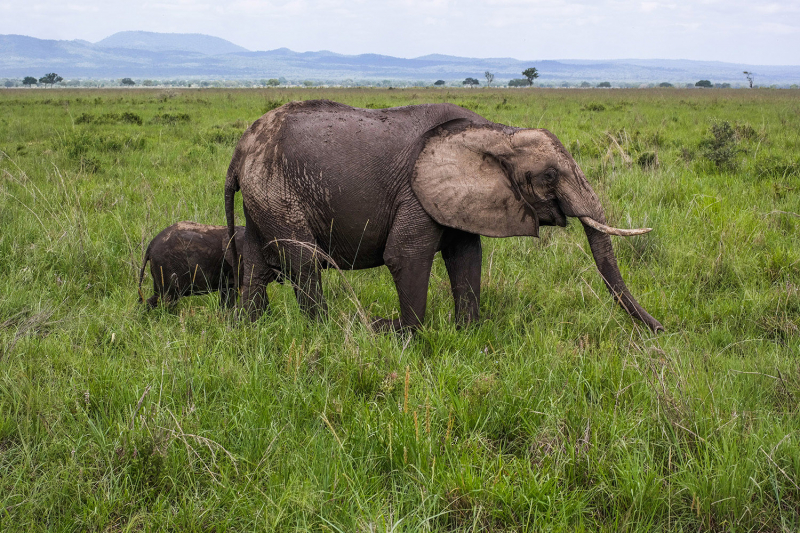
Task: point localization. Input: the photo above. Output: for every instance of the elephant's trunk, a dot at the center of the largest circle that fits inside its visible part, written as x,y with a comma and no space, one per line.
578,199
606,262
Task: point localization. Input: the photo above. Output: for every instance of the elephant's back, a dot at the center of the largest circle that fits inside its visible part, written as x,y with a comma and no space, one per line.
190,243
338,171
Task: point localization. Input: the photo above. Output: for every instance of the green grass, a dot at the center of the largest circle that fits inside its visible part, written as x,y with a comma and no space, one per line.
555,412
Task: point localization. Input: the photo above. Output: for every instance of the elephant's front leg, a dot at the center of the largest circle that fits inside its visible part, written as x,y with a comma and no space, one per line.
411,276
412,244
462,257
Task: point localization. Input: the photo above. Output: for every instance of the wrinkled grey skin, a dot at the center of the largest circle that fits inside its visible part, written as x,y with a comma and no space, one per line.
324,182
188,258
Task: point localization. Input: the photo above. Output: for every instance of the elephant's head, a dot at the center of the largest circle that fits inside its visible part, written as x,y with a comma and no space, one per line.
501,182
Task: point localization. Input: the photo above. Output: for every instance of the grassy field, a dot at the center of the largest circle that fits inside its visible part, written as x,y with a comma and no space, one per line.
555,412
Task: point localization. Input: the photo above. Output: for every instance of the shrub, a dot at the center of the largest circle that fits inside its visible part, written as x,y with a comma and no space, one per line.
131,118
169,118
647,160
745,131
594,106
269,105
84,118
110,118
722,148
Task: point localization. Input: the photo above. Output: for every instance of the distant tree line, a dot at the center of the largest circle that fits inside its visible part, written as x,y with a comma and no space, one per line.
490,80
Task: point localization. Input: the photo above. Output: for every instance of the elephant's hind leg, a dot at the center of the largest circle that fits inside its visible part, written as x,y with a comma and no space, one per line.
255,275
302,261
462,257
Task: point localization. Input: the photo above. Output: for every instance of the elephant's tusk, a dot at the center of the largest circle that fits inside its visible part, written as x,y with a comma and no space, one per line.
613,231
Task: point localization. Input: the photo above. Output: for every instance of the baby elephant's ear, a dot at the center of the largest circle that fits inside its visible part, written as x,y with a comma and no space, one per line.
461,183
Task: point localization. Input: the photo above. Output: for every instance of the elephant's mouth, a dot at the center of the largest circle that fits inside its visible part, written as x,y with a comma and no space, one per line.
557,215
550,214
560,217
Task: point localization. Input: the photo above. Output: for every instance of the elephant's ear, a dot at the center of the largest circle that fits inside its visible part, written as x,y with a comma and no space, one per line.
461,182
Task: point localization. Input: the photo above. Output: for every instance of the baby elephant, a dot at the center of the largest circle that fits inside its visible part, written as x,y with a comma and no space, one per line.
189,258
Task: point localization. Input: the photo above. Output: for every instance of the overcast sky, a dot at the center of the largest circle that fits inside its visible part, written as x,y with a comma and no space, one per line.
740,31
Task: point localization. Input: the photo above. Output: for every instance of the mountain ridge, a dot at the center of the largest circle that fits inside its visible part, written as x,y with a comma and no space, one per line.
141,54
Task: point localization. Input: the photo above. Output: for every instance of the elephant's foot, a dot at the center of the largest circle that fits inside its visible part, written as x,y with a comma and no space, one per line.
249,311
387,325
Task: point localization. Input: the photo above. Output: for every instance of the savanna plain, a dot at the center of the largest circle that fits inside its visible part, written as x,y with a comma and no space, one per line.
556,412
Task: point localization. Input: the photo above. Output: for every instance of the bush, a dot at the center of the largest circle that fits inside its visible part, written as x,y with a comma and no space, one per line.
169,118
269,105
604,84
722,148
131,118
594,106
110,118
647,160
745,132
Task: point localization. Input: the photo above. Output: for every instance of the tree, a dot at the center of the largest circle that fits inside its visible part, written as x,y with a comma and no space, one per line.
273,82
518,82
29,80
439,82
749,76
531,74
127,81
10,83
703,83
665,84
604,84
489,78
471,82
585,84
50,79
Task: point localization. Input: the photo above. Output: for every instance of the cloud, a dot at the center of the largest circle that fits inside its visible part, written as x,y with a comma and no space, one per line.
777,28
526,29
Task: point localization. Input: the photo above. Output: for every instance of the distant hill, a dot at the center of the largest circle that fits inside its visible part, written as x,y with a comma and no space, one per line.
178,55
163,42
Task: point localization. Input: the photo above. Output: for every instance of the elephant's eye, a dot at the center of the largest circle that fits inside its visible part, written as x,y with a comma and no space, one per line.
551,174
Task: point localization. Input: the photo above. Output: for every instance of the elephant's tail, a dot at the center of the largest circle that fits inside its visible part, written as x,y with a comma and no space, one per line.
231,186
141,271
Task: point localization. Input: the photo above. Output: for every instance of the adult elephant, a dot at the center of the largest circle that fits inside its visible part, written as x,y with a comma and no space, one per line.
323,182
